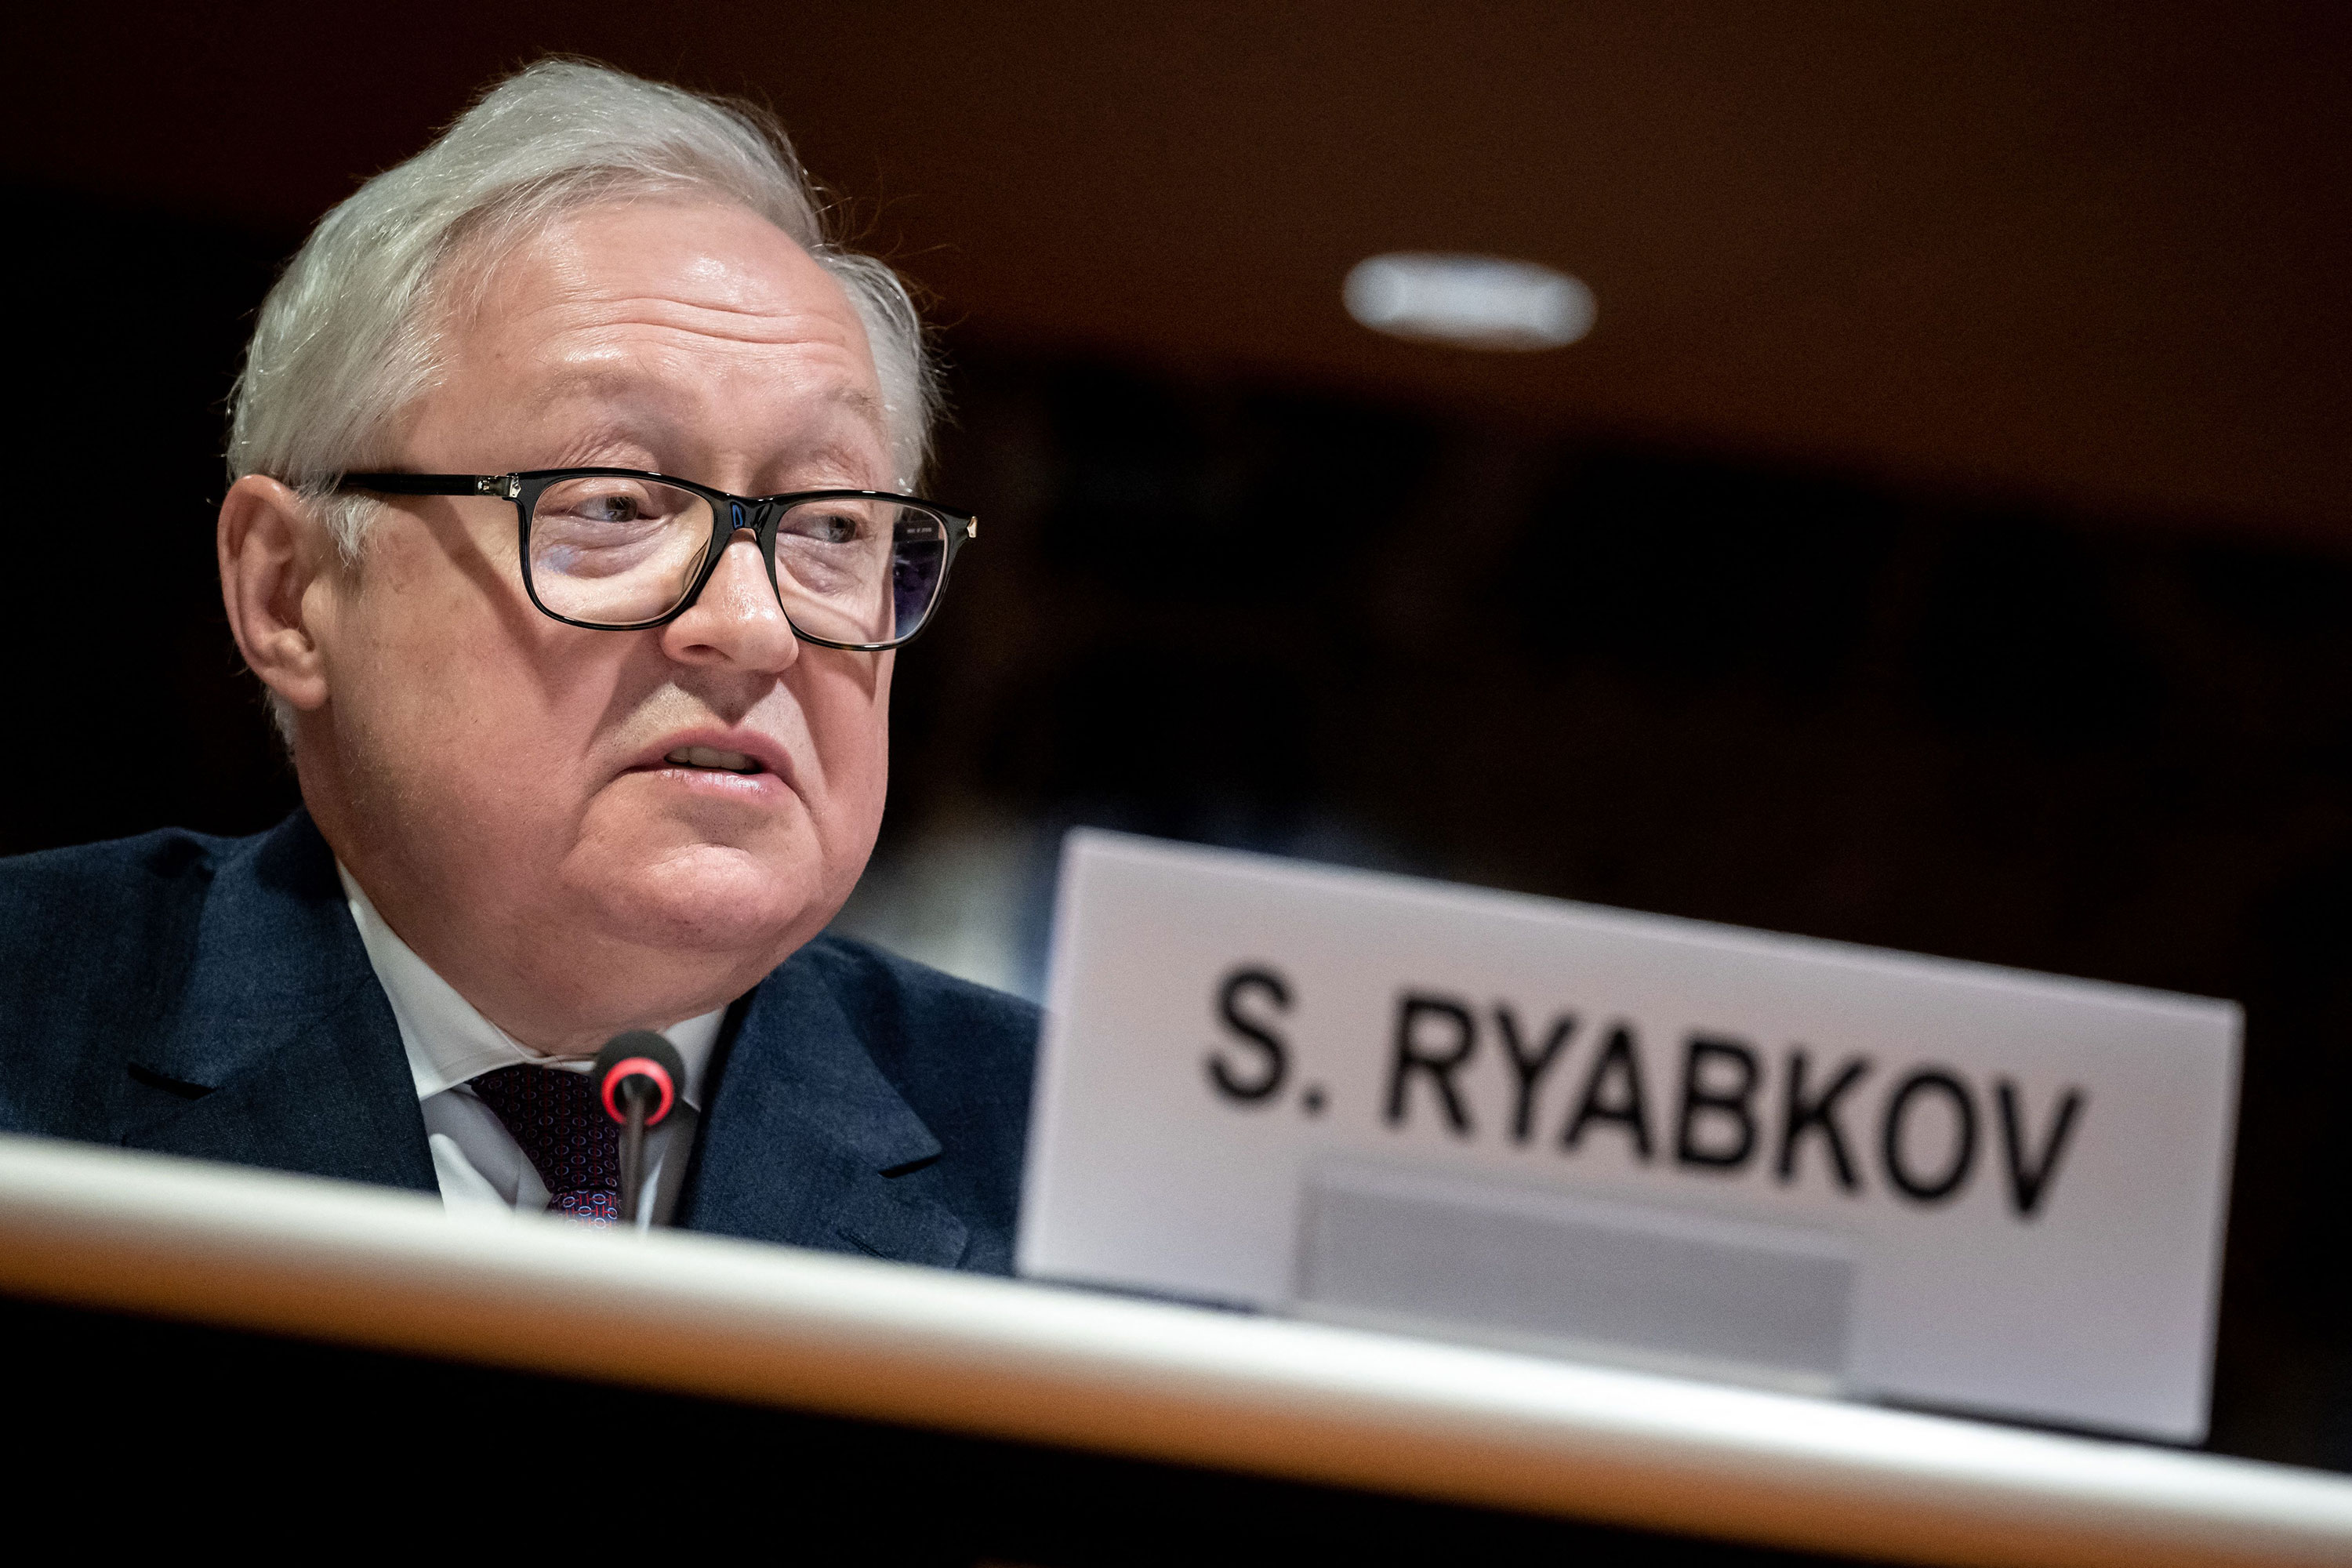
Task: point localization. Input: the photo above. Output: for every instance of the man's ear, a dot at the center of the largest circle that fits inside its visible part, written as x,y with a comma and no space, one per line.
271,551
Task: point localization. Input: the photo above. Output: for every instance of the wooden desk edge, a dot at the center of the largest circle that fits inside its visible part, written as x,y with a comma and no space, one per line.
380,1270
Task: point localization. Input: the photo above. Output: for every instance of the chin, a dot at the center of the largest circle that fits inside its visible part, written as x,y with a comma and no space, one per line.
717,899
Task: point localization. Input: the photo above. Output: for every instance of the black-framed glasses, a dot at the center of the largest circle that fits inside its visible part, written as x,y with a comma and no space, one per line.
619,550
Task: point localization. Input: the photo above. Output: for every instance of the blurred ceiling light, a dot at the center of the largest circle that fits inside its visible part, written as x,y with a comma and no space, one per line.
1470,301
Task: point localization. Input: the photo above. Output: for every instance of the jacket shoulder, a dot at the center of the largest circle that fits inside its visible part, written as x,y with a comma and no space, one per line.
66,914
170,857
95,944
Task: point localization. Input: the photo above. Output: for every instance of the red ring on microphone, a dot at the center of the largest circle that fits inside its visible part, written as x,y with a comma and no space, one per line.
635,1067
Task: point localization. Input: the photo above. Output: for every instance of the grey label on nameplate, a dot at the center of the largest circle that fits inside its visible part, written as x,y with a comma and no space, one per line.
1424,1252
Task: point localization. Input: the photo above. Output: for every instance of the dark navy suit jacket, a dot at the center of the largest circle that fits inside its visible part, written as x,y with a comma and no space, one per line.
211,998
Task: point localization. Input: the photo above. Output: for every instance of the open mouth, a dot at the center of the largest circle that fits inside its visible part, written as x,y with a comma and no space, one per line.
715,760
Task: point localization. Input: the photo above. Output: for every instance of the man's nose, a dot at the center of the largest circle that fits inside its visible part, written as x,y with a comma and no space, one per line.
736,618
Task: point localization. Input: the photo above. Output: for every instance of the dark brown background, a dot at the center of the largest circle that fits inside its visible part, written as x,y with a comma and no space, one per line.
1942,541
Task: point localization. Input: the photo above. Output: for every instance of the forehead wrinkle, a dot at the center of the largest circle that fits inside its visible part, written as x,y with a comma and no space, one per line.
604,381
766,323
664,336
760,288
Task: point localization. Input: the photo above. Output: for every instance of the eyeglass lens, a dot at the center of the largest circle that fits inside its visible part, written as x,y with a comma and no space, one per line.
613,551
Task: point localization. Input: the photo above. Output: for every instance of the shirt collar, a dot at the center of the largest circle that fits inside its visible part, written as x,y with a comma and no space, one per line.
450,1042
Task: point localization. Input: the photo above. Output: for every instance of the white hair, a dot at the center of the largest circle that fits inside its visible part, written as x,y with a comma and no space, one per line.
350,336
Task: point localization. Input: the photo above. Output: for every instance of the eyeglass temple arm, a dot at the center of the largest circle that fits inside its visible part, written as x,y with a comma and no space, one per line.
430,484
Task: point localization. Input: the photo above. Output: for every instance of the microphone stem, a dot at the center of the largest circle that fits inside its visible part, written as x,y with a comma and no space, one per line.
633,1157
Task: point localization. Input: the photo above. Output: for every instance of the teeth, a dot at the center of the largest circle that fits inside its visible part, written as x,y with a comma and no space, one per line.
713,757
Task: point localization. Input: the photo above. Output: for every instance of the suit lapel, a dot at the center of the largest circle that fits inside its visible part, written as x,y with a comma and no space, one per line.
805,1141
284,1052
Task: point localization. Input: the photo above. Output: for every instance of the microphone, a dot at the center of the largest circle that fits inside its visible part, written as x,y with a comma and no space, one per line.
639,1076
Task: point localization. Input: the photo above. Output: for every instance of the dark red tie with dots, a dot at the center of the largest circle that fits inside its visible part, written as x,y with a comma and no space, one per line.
562,1126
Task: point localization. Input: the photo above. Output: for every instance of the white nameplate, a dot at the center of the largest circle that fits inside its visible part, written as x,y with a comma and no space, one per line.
1541,1123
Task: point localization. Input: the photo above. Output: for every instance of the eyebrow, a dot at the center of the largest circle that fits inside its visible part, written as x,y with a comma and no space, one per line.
613,382
860,401
617,445
606,385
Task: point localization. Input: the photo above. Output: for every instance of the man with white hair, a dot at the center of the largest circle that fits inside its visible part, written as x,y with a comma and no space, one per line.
570,534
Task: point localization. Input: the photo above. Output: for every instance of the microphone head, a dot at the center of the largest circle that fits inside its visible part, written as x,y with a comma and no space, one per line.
639,1056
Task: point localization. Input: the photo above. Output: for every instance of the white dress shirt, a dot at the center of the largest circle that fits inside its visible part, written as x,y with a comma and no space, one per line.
481,1168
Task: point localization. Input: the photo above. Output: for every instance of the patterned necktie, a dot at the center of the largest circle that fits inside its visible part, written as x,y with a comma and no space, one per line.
557,1119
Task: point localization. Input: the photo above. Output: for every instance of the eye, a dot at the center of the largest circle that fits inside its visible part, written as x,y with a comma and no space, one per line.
826,527
612,508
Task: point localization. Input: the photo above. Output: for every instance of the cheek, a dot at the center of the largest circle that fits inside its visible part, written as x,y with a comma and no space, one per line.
848,712
457,706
